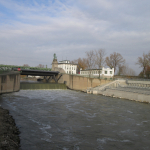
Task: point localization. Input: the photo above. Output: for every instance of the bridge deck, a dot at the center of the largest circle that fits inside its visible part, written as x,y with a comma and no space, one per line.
37,72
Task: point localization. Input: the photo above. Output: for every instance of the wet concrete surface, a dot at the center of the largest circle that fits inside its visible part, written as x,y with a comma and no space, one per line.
70,120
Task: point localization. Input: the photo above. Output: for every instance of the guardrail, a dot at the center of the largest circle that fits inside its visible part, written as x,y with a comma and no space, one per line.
6,68
95,77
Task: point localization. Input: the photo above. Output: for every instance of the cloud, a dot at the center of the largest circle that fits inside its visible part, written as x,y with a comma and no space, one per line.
37,29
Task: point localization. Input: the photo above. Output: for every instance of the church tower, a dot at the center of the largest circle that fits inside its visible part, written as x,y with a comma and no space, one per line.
54,63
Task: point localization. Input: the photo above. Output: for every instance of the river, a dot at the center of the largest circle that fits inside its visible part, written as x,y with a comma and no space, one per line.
71,120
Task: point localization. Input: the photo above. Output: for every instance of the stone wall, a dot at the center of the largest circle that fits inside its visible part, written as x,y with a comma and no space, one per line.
77,82
9,82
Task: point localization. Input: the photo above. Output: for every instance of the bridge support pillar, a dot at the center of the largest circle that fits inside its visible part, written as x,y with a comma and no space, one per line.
53,77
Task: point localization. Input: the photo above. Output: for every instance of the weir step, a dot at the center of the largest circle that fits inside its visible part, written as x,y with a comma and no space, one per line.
35,86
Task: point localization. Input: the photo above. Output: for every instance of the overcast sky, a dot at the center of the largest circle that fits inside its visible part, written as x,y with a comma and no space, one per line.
31,31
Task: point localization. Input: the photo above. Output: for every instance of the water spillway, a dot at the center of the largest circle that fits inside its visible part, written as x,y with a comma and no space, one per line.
35,86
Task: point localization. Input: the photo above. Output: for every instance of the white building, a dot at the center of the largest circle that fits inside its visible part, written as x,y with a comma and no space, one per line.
104,72
67,66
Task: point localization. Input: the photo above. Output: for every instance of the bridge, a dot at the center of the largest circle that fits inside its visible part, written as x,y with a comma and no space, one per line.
5,68
33,71
48,75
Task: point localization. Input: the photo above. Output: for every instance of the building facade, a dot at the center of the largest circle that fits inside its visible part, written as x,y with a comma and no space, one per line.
104,72
68,67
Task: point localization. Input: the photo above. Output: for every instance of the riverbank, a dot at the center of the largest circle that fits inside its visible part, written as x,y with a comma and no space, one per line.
9,133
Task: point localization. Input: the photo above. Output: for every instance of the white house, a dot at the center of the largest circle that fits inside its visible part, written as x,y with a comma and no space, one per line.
67,66
104,72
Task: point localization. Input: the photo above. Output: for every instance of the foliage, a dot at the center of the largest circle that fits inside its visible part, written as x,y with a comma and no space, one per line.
81,63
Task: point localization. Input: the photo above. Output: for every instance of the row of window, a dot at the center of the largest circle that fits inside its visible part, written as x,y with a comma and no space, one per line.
109,72
70,68
92,72
70,72
95,72
67,67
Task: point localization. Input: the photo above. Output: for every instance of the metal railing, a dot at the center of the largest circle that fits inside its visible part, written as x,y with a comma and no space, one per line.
94,77
7,68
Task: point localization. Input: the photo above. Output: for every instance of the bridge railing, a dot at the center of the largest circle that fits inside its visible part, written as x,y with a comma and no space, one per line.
94,77
7,68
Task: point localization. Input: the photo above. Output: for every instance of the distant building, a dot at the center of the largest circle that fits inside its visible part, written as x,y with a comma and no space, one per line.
68,67
103,72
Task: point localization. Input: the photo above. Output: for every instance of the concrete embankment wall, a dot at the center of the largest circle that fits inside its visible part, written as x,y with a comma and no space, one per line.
35,86
139,83
77,82
132,90
9,82
127,95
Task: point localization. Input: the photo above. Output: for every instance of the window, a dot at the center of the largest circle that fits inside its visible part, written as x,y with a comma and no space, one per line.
110,72
105,72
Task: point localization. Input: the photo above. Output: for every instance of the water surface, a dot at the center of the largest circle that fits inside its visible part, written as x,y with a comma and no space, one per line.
70,120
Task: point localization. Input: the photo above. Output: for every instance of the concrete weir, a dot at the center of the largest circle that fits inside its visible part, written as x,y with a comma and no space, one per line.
126,89
35,86
9,82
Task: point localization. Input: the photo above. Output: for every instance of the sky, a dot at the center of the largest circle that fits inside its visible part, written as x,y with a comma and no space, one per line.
31,31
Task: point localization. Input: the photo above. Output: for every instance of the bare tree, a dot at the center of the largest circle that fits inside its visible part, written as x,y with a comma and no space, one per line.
131,72
120,69
114,60
40,66
99,58
148,55
26,65
126,70
147,71
143,62
90,56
